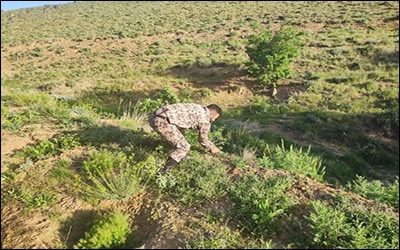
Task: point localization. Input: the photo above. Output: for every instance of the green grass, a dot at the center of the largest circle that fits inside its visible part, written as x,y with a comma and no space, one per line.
294,160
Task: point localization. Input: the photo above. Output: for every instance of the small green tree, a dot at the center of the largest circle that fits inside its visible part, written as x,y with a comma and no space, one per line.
271,55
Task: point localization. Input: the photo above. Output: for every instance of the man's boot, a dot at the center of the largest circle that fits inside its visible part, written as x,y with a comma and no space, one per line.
168,165
188,157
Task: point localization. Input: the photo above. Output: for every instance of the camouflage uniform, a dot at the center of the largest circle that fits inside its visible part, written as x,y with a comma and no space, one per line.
169,121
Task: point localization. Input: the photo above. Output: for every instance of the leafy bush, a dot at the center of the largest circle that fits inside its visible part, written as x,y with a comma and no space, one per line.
329,226
352,227
164,97
239,162
375,190
271,55
216,135
293,160
108,232
260,205
198,181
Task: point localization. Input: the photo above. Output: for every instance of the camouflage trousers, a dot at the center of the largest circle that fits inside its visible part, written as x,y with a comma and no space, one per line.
173,135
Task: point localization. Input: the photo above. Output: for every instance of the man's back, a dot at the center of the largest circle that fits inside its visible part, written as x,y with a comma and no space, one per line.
185,115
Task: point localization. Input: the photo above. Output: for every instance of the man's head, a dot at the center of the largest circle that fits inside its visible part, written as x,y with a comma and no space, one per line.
215,112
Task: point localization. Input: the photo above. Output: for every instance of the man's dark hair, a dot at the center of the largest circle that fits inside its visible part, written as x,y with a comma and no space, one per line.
216,108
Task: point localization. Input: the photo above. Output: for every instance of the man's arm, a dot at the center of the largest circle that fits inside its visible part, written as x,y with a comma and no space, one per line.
203,138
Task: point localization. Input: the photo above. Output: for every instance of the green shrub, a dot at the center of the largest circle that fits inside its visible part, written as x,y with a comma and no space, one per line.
108,232
295,160
204,62
198,181
164,97
261,205
239,162
216,135
353,227
271,55
329,226
375,190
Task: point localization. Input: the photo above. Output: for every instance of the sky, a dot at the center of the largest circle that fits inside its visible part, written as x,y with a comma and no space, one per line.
13,5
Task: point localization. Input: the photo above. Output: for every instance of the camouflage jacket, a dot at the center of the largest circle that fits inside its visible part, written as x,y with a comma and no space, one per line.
189,115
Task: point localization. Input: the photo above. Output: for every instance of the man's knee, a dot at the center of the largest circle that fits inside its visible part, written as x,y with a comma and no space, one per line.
181,151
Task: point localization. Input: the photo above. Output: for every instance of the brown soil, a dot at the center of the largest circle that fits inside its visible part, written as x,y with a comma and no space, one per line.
12,143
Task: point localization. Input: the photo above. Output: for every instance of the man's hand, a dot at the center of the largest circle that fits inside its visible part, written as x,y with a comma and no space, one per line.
215,150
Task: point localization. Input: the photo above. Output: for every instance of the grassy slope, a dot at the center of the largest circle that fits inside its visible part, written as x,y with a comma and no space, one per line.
97,57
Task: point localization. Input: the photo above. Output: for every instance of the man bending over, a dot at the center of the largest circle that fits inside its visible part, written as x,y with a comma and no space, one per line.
169,121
